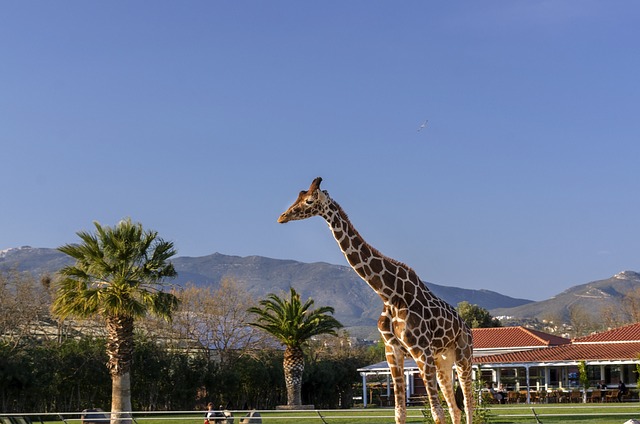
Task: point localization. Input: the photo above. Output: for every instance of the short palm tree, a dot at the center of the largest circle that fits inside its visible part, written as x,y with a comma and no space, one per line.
293,323
117,276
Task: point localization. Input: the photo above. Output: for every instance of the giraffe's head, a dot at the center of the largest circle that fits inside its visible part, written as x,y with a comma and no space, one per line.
309,203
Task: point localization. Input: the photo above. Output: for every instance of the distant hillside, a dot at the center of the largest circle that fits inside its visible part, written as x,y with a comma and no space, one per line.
356,305
591,298
33,260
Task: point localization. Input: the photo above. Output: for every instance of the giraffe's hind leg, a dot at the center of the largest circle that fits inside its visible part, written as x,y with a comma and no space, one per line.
464,371
444,364
465,376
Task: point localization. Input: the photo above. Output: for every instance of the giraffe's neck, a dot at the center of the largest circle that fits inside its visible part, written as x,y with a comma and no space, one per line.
379,271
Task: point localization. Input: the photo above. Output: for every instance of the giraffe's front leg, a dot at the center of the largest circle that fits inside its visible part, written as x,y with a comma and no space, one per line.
427,368
395,359
395,355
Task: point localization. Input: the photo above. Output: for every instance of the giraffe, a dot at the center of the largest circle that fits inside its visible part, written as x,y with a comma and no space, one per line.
413,321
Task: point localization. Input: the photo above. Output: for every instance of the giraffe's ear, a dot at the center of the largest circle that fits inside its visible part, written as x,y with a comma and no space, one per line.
315,185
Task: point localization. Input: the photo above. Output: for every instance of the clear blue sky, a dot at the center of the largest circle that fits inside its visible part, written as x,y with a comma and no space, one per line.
203,120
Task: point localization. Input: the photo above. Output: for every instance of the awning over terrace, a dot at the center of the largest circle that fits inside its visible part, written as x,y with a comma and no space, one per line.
382,369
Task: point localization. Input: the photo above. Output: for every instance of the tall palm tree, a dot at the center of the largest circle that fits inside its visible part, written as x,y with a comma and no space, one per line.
117,276
293,323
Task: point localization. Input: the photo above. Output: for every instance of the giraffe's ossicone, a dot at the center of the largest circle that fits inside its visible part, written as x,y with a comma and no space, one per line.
413,321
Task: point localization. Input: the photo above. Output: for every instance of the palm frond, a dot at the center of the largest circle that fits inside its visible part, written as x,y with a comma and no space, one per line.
292,322
118,271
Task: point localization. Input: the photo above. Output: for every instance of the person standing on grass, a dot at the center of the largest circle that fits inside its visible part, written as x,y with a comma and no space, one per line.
213,416
622,390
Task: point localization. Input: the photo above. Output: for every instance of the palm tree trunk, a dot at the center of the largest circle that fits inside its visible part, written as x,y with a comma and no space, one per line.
121,398
293,368
120,351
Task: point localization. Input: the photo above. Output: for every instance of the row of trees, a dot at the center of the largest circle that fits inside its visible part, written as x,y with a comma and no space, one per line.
71,376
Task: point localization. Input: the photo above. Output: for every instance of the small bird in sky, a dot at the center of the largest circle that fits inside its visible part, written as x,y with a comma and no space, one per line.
424,125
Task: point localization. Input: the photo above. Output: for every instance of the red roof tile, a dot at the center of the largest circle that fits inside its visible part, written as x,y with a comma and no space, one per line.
628,333
573,352
511,337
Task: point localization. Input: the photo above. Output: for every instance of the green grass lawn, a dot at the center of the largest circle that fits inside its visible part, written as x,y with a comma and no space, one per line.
577,413
580,413
588,414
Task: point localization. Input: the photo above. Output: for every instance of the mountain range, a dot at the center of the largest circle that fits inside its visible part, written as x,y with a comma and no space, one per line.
592,299
355,304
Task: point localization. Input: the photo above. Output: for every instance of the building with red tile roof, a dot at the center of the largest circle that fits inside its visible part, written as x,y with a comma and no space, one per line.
518,357
619,345
610,356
